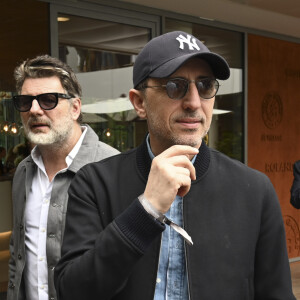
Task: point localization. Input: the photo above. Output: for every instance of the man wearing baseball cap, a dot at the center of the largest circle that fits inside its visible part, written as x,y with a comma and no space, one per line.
174,219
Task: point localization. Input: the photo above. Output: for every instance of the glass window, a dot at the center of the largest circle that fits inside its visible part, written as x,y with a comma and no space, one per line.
102,54
18,42
12,143
227,129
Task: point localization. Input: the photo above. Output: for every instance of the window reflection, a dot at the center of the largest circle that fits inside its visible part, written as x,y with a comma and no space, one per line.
102,55
12,142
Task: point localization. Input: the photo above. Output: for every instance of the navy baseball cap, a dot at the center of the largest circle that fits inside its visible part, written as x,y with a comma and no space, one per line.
163,55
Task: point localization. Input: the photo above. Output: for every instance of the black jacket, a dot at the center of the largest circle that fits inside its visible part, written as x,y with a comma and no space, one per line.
111,245
295,189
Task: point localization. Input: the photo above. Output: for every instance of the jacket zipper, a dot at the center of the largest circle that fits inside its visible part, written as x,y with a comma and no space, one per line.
185,252
157,268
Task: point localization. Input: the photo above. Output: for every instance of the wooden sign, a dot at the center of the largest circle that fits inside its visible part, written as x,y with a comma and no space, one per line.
274,121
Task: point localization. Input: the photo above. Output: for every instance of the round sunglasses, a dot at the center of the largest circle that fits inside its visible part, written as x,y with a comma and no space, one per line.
46,101
177,87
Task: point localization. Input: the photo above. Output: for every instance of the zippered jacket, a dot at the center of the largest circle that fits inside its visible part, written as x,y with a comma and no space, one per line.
111,244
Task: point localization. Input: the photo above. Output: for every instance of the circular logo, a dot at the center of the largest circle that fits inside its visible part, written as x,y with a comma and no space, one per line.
272,110
292,236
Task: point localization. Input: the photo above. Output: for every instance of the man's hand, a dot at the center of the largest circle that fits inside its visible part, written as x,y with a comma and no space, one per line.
170,175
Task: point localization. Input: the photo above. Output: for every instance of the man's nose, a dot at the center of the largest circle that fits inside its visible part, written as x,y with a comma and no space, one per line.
35,107
192,98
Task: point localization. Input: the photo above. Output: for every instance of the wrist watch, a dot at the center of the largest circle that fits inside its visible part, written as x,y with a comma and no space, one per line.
157,215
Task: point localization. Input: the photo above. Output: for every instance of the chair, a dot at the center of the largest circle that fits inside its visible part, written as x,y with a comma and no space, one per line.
4,257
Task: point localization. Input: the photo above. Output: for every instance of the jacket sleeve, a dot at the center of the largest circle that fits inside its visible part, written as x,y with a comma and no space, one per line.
295,189
97,259
11,268
15,266
272,270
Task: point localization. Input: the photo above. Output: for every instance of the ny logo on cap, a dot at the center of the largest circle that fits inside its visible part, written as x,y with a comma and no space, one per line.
187,40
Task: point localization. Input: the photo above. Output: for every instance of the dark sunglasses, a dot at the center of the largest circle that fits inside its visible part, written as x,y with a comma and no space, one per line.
46,101
177,87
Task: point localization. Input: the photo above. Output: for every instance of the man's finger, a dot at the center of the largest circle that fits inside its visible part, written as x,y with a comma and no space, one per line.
179,150
183,162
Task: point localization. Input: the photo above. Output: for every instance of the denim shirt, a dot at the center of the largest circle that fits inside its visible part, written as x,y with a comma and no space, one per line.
171,281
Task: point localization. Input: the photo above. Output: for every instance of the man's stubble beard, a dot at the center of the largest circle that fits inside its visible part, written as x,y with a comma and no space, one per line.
157,129
189,141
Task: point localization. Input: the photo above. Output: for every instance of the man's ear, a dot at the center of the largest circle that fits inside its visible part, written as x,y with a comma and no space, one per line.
137,100
76,108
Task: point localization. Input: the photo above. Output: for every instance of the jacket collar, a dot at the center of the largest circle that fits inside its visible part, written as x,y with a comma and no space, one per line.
87,152
144,161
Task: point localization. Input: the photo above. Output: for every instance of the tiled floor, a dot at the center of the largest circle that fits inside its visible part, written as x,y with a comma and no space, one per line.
295,271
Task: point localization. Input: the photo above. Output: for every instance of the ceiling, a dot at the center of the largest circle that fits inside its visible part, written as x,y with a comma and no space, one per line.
86,35
285,7
98,34
275,16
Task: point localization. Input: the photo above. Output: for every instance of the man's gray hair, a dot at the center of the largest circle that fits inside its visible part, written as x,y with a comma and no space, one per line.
47,66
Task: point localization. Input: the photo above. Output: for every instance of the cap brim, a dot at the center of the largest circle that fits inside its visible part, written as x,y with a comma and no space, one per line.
217,63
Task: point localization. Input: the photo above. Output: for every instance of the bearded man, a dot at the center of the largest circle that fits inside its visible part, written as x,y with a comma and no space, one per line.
50,106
